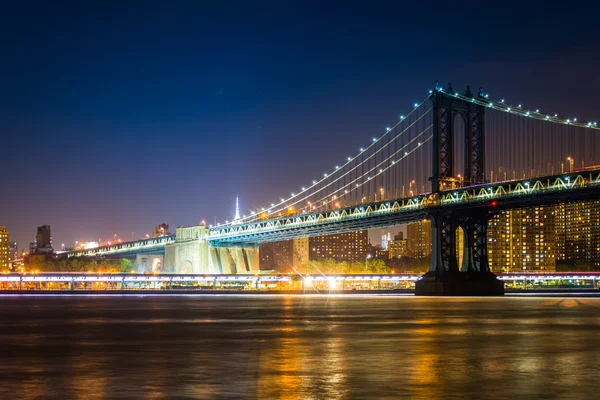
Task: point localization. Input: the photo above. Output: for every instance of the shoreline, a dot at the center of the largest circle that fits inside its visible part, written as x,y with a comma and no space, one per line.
398,292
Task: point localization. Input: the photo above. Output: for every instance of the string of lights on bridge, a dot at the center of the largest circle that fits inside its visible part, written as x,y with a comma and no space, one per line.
482,99
305,191
366,176
378,170
502,105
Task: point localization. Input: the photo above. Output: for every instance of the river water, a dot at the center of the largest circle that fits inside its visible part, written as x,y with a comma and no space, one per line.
294,347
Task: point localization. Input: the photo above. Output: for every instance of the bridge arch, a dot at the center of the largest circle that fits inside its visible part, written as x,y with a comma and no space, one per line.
447,108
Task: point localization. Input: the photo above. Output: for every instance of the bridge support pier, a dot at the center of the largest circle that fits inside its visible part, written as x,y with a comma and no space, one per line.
444,278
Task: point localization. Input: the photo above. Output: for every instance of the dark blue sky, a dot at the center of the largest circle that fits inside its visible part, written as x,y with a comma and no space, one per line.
118,116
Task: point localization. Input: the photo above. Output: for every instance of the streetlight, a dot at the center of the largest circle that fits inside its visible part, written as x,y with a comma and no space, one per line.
366,258
571,161
381,191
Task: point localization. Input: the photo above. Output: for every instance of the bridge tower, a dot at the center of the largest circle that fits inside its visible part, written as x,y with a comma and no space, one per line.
445,277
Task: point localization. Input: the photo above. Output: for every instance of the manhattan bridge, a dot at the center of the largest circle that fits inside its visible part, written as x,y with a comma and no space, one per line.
455,158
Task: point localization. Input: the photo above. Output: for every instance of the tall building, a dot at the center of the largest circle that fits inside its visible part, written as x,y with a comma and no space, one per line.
13,251
418,236
350,246
3,248
237,209
397,247
522,239
300,253
43,240
578,233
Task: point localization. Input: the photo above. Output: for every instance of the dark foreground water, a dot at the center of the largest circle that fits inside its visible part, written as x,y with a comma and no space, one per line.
293,347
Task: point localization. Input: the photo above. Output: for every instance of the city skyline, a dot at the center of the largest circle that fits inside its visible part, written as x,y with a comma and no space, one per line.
136,141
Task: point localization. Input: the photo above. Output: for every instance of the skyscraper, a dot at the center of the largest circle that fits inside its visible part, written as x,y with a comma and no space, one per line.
3,248
578,233
237,208
522,239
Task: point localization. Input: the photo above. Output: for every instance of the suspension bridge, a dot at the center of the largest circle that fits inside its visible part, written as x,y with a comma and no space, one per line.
456,159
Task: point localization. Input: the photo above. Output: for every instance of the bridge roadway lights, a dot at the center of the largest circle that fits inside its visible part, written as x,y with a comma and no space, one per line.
459,284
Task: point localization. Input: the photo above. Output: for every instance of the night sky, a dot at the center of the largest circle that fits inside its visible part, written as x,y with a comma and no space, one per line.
117,117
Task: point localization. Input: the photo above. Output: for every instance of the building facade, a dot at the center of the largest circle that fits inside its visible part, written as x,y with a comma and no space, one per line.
418,236
284,255
523,240
350,246
397,247
3,248
578,233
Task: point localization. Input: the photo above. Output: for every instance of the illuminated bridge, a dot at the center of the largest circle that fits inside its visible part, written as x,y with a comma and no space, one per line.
144,246
456,159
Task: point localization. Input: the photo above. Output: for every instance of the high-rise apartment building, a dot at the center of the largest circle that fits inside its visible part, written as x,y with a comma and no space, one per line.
284,255
3,248
522,239
418,235
578,233
397,247
300,253
350,246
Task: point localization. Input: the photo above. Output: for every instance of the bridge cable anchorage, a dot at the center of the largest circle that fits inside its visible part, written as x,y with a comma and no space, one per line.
311,190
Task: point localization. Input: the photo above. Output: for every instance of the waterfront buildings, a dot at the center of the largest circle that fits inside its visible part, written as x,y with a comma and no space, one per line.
3,248
563,236
523,240
350,246
288,254
578,234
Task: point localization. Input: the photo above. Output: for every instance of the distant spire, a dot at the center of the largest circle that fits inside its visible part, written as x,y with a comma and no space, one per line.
237,208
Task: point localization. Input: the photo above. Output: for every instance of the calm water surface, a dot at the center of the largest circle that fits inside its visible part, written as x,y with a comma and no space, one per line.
293,347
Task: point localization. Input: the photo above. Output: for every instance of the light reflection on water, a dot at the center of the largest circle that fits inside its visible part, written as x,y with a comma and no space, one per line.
293,347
